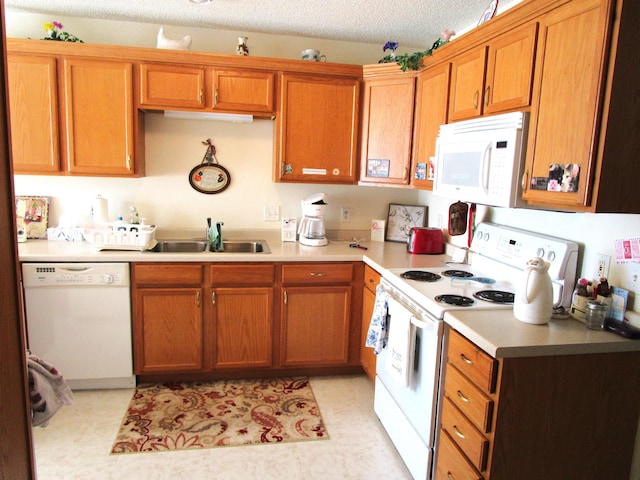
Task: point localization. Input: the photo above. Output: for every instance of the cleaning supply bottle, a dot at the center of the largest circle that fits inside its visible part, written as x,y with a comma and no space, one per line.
134,218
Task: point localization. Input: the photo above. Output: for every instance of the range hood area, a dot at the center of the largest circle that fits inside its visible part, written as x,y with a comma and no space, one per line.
220,117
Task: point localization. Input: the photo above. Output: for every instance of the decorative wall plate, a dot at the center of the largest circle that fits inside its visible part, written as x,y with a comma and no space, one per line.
489,12
209,178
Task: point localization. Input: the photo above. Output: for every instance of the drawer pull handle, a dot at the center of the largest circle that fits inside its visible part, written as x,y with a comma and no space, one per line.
465,359
458,433
462,397
314,274
449,476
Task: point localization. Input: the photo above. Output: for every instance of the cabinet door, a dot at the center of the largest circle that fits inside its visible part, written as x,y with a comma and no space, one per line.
171,86
33,97
367,357
98,113
317,129
467,84
242,91
167,330
564,113
510,70
243,322
315,326
432,104
387,129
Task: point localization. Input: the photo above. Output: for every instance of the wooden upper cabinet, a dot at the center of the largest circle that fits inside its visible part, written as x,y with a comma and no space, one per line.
510,70
467,84
317,129
33,97
249,91
171,86
98,117
387,125
494,77
432,103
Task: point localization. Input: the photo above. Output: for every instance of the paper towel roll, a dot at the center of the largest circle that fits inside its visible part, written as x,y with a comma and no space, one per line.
100,210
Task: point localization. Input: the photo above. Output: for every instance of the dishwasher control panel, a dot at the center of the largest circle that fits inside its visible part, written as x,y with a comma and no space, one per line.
78,274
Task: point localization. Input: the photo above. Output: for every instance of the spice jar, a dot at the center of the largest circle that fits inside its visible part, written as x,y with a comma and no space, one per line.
596,312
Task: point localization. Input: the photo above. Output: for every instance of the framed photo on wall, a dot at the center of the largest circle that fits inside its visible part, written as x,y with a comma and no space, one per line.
402,218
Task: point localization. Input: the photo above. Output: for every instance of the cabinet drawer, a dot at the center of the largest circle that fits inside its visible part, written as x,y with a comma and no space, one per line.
468,398
167,274
451,463
476,365
317,273
371,278
234,274
474,445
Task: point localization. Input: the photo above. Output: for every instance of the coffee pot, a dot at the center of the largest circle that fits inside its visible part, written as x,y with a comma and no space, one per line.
533,301
311,230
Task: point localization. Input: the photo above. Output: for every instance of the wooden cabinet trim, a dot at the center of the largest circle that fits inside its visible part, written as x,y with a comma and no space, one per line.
165,86
317,273
166,274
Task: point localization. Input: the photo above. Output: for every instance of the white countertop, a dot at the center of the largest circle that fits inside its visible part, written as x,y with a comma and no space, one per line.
501,335
497,332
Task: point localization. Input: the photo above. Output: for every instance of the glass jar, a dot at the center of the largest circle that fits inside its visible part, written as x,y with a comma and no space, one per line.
596,312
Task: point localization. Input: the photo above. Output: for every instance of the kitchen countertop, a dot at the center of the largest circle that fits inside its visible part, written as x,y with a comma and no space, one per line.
497,332
501,335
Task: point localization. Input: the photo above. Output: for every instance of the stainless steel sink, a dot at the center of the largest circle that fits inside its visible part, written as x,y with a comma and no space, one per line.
180,246
199,246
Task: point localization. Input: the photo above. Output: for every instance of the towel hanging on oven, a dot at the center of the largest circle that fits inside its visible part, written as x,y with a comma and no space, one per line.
400,346
377,333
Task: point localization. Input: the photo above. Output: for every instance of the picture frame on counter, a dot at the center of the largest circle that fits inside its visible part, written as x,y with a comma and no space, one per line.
32,215
401,219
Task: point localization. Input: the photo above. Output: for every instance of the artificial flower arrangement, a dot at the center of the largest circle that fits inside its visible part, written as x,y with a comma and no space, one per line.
412,61
54,32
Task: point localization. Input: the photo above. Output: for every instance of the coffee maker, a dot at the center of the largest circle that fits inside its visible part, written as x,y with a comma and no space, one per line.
311,230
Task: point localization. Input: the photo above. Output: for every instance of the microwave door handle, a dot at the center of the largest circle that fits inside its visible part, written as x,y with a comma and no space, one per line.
486,158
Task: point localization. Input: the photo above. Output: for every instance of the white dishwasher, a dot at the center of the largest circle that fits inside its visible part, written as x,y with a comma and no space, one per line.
78,319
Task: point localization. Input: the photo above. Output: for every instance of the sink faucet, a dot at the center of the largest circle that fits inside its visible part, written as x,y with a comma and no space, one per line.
214,236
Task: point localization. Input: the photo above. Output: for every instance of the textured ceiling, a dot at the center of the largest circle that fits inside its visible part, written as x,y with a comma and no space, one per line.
415,23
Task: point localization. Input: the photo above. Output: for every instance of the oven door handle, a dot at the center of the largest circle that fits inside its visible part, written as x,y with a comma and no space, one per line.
422,324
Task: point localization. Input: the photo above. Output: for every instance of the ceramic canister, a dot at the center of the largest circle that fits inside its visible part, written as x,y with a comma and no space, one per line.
533,301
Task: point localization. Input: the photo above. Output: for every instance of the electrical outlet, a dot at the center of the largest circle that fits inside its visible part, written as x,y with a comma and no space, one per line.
271,214
602,266
345,215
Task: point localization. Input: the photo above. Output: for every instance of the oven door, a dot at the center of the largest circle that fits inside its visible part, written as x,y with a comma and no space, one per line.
408,413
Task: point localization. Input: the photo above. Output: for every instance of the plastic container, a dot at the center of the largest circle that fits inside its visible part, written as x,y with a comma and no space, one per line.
596,313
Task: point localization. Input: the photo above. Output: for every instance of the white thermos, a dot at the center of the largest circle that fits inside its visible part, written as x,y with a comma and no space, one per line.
533,301
100,210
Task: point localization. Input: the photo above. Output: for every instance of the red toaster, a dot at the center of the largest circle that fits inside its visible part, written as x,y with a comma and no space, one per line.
425,240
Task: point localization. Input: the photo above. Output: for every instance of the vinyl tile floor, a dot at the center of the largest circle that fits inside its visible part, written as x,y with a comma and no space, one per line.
76,444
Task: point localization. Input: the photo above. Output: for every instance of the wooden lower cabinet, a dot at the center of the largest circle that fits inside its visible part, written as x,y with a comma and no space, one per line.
367,357
547,417
220,318
169,329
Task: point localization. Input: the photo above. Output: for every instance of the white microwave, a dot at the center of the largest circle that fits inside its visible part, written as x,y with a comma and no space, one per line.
482,160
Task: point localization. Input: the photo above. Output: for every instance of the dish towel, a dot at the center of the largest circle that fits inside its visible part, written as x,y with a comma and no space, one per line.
48,390
400,346
377,333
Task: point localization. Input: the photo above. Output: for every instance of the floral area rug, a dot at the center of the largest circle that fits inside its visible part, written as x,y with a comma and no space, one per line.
178,416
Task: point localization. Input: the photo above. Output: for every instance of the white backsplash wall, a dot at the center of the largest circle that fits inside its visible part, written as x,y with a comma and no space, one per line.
165,198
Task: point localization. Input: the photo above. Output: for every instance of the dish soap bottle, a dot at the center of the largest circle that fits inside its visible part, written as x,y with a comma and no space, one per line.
134,218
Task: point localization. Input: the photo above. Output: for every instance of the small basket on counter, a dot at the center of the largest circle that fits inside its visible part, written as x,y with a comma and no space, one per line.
122,236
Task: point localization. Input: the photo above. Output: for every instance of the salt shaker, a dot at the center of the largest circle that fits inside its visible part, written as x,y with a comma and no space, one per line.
596,312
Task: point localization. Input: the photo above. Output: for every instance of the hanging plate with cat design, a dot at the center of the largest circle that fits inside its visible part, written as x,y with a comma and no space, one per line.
209,177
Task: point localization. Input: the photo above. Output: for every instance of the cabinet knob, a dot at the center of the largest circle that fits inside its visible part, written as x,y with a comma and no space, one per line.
487,91
316,274
197,299
476,96
462,397
465,359
525,181
213,298
457,432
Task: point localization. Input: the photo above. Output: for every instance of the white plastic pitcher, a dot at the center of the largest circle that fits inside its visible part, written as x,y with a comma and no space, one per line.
533,301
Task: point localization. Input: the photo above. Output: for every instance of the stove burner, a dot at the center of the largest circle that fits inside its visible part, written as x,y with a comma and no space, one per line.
458,300
495,296
420,276
457,273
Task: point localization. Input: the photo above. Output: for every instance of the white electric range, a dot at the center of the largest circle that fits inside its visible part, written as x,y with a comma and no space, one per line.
496,262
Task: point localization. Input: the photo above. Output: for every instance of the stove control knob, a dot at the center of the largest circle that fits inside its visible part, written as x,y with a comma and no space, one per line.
540,252
551,256
108,279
